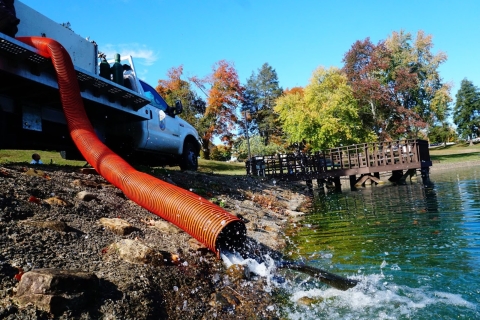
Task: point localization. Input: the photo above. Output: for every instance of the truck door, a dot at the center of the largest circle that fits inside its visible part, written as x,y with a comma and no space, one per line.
163,126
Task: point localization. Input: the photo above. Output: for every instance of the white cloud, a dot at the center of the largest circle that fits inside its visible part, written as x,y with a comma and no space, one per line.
140,53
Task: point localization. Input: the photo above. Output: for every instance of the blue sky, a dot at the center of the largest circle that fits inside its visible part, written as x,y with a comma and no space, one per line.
294,37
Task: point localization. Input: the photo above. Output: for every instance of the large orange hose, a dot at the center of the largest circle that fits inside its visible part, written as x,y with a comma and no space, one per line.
205,221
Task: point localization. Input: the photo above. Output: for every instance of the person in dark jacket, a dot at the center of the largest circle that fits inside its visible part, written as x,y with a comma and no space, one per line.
8,18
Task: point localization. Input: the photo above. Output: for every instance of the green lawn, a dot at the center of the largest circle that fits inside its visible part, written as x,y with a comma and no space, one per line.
455,153
25,156
232,168
54,158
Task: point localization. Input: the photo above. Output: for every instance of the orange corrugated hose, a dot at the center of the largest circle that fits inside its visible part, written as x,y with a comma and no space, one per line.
205,221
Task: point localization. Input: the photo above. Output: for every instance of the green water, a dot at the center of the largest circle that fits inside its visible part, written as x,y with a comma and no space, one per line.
415,248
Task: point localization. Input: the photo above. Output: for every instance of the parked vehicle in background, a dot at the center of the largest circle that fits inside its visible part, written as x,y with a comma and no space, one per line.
129,116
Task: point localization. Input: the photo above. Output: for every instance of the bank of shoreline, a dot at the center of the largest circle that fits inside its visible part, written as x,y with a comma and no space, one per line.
438,166
50,217
195,286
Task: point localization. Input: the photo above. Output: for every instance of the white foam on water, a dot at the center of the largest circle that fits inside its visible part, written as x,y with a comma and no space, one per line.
372,298
264,269
454,299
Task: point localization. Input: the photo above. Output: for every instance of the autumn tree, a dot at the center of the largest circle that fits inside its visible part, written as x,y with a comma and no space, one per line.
261,91
326,115
412,61
467,110
365,66
175,88
221,153
294,90
224,95
397,84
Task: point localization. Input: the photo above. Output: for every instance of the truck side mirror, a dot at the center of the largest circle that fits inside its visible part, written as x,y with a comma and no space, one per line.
178,107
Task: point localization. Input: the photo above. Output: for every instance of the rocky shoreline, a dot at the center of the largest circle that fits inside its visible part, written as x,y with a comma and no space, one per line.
72,246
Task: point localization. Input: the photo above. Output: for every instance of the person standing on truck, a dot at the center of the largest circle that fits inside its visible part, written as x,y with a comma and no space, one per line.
8,18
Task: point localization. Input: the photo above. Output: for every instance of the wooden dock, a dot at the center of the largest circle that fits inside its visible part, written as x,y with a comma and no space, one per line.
362,163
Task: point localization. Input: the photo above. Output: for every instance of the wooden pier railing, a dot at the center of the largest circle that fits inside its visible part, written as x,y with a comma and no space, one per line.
358,159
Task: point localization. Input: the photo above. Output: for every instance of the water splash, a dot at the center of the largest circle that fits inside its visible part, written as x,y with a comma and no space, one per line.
263,269
374,297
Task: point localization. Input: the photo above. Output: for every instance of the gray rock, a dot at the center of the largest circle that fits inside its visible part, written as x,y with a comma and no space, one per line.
117,225
138,253
56,290
86,196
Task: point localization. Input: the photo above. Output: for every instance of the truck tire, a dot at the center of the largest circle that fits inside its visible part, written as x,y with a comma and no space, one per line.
189,160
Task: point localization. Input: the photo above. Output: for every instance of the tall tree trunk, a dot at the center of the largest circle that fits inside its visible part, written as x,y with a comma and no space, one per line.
206,149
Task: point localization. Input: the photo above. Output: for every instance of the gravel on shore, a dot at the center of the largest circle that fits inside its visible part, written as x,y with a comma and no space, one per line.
57,218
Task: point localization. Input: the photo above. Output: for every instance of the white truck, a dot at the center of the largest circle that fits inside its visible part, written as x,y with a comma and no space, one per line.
132,119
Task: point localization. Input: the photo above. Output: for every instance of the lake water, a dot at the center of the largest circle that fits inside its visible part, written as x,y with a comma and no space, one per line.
415,249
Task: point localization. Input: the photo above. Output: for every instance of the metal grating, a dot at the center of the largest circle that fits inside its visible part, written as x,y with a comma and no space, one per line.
11,47
21,52
37,59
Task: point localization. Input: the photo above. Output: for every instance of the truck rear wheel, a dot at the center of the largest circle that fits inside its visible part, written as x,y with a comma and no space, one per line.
189,159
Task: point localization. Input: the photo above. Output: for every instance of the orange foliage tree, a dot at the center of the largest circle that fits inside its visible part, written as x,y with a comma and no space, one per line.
174,88
224,95
294,90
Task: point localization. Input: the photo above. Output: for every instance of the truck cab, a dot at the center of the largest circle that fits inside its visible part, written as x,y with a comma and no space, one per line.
164,135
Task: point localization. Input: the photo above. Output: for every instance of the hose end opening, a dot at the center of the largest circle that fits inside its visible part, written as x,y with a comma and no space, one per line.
232,237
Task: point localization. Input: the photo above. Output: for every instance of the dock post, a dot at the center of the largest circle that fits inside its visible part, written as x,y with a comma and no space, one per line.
353,181
338,185
396,175
425,175
320,183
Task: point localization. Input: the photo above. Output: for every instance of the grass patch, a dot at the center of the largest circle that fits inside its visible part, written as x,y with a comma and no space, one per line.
461,152
25,156
231,168
53,157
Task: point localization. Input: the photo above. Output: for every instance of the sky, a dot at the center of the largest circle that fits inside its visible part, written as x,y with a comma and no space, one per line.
293,37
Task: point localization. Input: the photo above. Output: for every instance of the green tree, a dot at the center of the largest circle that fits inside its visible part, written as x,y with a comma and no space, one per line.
257,147
467,110
261,91
326,115
441,133
221,153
